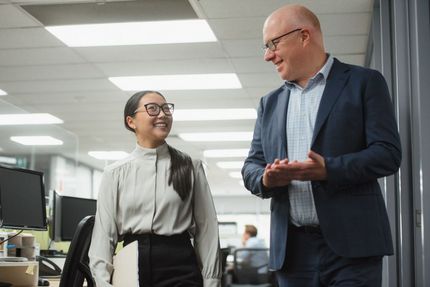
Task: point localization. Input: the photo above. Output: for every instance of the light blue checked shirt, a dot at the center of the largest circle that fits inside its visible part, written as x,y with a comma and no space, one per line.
302,111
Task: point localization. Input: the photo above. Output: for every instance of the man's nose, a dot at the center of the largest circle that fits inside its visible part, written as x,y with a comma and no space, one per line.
268,55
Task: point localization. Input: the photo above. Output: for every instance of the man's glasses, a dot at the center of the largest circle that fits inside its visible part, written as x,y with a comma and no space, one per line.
154,109
271,44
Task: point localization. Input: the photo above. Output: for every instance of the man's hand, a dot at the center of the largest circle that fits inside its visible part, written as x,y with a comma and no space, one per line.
313,168
274,175
282,172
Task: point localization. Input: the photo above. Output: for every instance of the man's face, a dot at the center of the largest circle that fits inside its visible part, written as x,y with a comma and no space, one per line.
245,237
287,55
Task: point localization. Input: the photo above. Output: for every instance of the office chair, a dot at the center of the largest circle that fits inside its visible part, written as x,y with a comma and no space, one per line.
251,267
76,268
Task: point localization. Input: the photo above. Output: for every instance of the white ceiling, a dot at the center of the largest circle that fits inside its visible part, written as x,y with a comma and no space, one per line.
41,74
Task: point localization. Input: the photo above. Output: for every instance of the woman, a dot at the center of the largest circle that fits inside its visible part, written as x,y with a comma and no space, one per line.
157,196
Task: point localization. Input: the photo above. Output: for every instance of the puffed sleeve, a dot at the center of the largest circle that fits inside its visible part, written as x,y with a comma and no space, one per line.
206,238
105,236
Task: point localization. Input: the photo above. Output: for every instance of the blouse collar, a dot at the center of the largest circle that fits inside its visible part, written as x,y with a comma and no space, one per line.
150,152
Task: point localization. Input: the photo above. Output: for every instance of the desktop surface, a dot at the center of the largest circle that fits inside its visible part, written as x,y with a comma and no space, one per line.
20,273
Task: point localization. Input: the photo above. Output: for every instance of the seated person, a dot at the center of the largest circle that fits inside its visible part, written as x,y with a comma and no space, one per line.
249,238
252,258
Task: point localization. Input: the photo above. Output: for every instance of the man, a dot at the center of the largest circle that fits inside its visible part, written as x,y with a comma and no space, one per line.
320,143
249,238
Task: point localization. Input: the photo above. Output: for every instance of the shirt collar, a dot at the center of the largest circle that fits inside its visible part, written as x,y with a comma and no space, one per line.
322,74
325,70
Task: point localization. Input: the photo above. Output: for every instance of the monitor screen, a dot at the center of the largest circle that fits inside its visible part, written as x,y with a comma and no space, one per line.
67,212
22,199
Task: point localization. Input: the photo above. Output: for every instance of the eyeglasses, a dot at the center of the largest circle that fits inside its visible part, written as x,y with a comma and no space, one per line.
154,109
271,44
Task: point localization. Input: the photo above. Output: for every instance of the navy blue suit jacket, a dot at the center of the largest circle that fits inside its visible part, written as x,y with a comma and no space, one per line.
356,133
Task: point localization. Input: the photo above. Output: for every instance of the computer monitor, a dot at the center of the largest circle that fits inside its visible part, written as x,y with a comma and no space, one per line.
22,199
67,212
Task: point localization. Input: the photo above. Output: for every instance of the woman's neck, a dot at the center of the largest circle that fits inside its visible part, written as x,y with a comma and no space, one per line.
147,144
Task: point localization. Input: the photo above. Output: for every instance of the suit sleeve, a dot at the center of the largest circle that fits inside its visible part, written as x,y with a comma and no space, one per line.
255,163
381,155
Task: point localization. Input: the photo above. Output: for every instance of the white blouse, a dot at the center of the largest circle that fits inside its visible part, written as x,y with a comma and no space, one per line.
135,198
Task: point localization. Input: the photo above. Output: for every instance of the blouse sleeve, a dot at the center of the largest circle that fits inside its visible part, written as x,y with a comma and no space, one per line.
105,236
206,238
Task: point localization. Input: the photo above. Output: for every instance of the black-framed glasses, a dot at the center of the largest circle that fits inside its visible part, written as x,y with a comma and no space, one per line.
154,109
271,44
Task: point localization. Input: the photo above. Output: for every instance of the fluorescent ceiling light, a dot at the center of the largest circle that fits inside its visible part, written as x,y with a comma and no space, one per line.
214,114
134,33
2,93
178,82
230,164
235,174
36,140
108,155
216,137
29,119
226,152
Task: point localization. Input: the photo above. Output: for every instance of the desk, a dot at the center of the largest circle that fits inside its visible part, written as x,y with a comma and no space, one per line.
20,273
54,282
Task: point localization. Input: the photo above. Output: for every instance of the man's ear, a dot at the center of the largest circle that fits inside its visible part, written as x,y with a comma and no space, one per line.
305,36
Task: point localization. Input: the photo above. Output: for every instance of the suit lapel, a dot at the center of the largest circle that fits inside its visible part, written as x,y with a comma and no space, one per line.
281,122
335,82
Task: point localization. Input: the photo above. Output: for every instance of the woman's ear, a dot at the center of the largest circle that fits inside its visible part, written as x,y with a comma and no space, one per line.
130,123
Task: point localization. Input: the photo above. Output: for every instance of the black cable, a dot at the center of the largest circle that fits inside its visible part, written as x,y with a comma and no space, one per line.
11,237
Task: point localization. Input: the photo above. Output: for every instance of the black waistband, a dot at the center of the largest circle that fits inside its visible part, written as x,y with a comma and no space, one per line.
150,238
305,228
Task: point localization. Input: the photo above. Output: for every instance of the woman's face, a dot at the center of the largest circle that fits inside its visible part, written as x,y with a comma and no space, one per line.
151,131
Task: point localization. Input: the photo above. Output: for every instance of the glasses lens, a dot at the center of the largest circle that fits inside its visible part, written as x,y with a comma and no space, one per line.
168,109
152,109
271,45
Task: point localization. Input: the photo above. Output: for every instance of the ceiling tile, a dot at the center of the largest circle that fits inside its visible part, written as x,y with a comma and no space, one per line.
75,71
27,38
42,56
13,16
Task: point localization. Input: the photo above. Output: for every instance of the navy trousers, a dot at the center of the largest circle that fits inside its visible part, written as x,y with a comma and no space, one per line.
311,263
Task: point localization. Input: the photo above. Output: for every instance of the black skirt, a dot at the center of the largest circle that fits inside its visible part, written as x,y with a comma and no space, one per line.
166,261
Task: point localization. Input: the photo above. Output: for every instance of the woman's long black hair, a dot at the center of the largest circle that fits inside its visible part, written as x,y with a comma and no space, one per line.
181,165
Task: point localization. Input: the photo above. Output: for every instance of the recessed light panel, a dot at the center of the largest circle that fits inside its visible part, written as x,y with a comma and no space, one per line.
230,164
108,155
28,119
214,114
216,137
36,140
178,82
226,153
134,33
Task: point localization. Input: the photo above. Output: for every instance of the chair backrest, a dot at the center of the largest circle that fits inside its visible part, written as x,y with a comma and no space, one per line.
76,268
251,266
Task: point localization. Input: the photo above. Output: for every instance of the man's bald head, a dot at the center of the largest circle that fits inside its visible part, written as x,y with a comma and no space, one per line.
297,16
297,49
